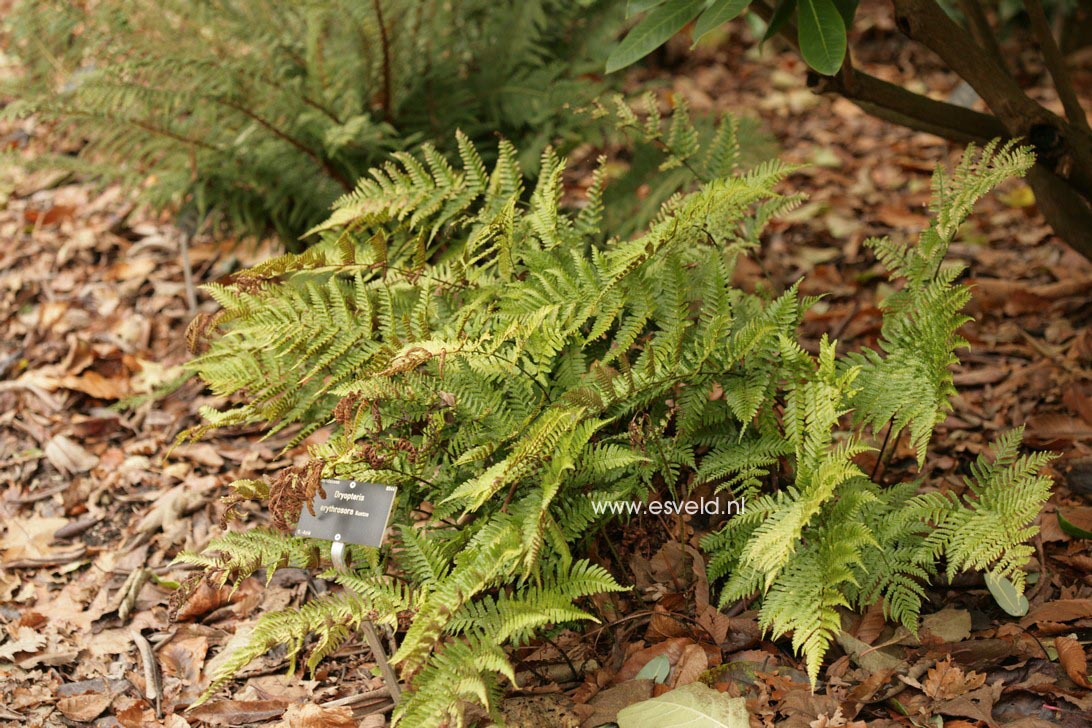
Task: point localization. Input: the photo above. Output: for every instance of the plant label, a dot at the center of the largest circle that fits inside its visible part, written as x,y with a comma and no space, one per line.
352,512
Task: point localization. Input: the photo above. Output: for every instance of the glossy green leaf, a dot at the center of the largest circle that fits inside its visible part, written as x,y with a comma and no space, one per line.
636,7
1072,529
694,706
822,35
657,27
1005,594
717,14
781,15
848,10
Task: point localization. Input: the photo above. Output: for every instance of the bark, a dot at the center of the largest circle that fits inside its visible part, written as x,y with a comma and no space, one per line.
1062,179
1060,146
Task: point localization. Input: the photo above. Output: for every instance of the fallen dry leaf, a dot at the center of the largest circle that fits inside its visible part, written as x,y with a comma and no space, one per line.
315,716
29,538
84,708
1072,658
947,680
692,663
201,453
205,598
872,623
604,707
672,649
947,625
238,712
175,503
94,384
69,457
1060,610
1046,429
977,704
836,721
26,641
183,659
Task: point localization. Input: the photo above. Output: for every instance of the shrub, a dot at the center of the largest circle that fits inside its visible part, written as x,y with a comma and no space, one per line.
508,367
267,110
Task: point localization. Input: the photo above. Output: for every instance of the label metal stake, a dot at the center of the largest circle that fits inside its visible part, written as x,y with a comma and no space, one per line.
337,553
354,512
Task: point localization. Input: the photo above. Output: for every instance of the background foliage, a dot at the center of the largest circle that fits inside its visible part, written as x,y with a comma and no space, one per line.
267,110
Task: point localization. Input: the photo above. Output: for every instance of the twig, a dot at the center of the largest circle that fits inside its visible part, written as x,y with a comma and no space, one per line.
38,495
1062,146
371,696
187,272
59,559
153,686
568,660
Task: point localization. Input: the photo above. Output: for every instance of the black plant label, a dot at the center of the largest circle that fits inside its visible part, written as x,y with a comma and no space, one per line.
353,511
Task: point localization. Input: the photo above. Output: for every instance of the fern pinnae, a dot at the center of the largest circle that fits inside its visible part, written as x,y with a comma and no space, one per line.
507,366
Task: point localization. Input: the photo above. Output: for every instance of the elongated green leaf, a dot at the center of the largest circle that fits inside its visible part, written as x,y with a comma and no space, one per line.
781,14
1005,594
1072,529
848,9
694,706
822,35
636,7
717,15
663,22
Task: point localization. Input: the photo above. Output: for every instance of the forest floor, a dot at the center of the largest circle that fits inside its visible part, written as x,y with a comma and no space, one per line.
93,313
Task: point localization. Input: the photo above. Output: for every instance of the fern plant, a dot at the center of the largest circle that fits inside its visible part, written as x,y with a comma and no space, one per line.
506,365
267,110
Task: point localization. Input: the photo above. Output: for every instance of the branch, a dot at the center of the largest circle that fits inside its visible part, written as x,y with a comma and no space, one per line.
1064,147
1055,63
981,30
925,22
894,103
1067,212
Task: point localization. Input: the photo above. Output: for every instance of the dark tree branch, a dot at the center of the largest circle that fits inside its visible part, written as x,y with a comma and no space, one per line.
1062,180
1067,212
981,30
894,103
1061,146
1055,63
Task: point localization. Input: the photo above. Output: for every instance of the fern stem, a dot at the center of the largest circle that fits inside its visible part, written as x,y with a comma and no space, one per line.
879,455
385,46
666,148
325,164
